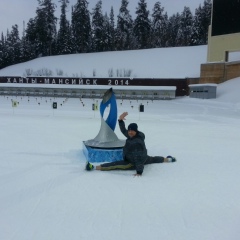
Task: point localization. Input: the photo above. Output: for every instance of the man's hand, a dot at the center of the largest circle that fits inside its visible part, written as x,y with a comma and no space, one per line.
122,116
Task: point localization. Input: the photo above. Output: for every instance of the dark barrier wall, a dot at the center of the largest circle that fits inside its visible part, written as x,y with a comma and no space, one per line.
181,84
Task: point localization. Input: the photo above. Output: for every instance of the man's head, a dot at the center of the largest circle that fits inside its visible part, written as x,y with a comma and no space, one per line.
132,129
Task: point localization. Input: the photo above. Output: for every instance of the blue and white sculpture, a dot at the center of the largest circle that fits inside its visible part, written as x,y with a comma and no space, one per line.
105,146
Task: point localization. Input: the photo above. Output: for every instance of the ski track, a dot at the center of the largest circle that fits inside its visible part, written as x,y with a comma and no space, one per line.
47,194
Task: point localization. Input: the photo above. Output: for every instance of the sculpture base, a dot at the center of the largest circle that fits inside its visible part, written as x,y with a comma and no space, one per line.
102,155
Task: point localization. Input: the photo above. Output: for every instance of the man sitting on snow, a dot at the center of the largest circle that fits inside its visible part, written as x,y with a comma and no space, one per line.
134,152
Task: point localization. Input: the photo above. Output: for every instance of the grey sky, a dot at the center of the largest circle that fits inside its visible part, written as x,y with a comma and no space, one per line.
16,11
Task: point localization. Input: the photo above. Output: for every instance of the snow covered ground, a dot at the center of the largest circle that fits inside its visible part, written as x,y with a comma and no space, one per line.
45,193
155,63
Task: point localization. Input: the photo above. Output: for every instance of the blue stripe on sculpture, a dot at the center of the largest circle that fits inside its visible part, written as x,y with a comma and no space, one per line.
109,99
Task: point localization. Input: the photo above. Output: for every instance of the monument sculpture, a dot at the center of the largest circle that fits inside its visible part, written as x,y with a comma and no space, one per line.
105,146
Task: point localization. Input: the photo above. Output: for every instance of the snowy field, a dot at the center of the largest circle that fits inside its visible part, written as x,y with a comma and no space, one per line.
45,193
147,63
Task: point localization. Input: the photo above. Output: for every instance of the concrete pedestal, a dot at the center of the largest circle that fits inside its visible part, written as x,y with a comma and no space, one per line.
101,154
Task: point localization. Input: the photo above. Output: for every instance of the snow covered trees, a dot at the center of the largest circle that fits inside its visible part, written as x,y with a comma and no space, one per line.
124,30
97,28
185,29
81,27
142,26
201,23
93,31
12,44
159,26
45,26
64,36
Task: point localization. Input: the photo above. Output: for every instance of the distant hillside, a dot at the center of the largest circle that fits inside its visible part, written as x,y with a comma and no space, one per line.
178,62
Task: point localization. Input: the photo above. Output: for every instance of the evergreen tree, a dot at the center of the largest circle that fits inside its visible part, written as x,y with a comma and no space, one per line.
196,26
7,51
112,31
23,47
173,27
81,27
2,51
106,33
31,40
8,54
202,20
41,38
98,28
124,30
64,33
13,45
16,44
184,37
159,26
45,27
165,30
24,50
142,25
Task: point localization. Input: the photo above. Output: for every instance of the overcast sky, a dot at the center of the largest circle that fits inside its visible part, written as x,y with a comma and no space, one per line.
16,11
